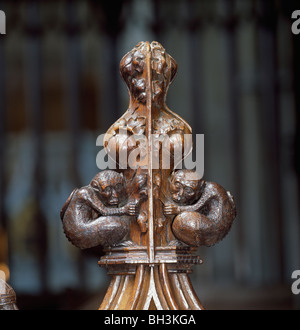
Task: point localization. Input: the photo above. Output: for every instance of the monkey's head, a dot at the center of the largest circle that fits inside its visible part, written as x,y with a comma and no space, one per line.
185,187
110,187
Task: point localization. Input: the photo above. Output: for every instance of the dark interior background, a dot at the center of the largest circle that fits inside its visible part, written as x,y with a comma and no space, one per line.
238,83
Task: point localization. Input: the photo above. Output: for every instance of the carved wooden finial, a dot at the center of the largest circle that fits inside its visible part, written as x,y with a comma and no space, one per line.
149,216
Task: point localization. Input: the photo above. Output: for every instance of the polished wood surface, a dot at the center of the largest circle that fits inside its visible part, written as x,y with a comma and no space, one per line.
149,217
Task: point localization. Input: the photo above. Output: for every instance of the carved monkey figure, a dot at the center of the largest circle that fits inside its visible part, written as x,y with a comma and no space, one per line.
204,210
92,215
185,187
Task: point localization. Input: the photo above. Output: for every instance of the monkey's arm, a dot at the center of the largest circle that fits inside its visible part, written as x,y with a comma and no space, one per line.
172,208
94,202
89,196
207,195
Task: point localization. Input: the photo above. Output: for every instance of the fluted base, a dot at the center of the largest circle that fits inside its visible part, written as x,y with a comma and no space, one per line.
142,286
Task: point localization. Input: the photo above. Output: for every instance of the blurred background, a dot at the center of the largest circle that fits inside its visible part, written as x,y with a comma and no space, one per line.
238,83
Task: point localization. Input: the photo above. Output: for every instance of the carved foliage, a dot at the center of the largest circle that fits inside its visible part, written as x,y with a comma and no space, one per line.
144,213
202,211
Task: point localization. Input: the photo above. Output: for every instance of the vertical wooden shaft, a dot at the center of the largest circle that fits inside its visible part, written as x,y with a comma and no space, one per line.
149,141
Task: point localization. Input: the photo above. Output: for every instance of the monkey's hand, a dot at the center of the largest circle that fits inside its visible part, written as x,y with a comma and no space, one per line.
131,208
170,209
